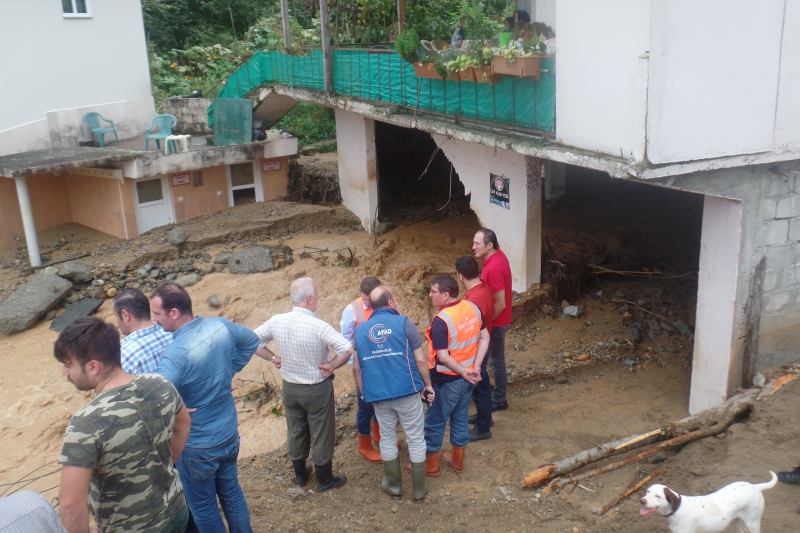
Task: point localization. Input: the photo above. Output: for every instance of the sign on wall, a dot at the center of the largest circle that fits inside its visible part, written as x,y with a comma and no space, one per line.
499,189
270,165
184,178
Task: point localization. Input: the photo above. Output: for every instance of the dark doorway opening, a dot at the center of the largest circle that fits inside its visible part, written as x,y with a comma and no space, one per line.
415,181
244,196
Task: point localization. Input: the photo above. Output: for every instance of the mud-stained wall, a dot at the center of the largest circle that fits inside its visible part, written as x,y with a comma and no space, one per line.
274,183
358,165
49,201
212,196
770,230
97,203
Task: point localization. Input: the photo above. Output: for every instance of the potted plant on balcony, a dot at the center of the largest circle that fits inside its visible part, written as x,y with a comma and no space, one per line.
481,59
447,62
522,59
407,46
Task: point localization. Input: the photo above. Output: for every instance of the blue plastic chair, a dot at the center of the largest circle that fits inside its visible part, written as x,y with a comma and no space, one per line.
164,125
93,121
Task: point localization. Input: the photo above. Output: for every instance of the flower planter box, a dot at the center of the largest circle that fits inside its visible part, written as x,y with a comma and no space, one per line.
425,70
484,75
454,76
523,67
468,74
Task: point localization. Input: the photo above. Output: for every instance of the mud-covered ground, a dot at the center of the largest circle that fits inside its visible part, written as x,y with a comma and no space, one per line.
561,401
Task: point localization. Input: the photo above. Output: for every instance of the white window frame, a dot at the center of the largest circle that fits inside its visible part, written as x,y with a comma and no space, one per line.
74,14
256,179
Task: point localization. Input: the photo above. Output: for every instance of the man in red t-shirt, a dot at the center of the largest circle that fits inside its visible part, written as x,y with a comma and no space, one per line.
496,275
478,293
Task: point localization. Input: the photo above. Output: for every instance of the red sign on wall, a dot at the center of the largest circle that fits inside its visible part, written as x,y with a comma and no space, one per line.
184,178
270,165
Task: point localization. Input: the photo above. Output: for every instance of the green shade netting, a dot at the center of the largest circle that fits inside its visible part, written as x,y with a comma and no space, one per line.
384,77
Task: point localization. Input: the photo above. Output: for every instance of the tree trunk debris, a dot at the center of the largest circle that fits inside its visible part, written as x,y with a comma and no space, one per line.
704,424
630,491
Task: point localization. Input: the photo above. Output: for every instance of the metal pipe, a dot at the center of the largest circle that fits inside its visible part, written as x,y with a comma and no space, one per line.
326,44
286,25
27,221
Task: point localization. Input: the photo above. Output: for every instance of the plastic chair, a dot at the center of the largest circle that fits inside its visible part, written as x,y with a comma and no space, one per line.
164,124
93,121
427,46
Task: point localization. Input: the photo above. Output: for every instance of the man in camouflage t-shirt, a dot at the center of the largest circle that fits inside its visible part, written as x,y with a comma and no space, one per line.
120,448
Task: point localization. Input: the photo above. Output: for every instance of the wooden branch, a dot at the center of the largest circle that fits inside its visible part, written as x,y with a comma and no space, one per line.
56,261
717,418
630,491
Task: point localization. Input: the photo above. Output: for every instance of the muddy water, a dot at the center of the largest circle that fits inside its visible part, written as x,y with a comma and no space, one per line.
36,402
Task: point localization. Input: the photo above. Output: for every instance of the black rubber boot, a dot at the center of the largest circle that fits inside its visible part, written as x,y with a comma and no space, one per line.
792,478
325,478
419,480
302,471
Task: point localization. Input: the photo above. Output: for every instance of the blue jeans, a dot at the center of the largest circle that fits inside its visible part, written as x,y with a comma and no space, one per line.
451,403
482,398
365,414
209,473
497,362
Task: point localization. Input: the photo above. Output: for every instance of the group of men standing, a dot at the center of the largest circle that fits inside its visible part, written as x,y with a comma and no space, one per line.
157,448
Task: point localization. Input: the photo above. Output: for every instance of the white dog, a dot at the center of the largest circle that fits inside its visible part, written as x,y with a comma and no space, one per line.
739,502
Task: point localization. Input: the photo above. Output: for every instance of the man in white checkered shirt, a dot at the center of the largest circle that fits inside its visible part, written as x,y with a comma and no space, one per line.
304,342
145,341
28,512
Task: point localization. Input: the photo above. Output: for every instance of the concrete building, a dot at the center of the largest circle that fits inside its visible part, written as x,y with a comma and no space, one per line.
97,52
700,97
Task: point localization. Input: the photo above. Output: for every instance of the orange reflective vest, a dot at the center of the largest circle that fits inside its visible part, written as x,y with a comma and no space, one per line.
463,329
362,315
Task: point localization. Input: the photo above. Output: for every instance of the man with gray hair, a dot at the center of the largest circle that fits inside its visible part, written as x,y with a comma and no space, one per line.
304,342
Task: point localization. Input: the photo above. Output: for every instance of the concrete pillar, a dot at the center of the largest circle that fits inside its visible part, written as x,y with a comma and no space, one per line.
358,166
518,227
716,363
27,221
554,180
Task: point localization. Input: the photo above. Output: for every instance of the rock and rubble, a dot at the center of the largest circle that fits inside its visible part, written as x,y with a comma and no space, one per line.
19,311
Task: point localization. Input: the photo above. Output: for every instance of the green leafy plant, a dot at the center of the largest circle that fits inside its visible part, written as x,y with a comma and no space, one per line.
448,56
407,46
478,24
480,53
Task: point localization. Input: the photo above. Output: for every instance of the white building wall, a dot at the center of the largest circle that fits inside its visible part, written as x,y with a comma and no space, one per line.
599,44
546,12
787,113
70,63
519,228
713,78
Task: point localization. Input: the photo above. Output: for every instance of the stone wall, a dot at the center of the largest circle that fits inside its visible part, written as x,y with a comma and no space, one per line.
192,115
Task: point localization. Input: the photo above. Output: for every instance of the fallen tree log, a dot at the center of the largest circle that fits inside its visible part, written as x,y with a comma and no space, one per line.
717,418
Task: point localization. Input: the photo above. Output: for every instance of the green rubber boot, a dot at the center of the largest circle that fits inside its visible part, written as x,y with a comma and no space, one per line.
391,477
419,479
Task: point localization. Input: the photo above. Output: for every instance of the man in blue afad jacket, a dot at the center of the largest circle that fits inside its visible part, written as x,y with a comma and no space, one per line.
391,378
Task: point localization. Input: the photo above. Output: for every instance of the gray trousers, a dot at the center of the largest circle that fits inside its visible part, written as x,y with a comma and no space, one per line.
409,411
310,420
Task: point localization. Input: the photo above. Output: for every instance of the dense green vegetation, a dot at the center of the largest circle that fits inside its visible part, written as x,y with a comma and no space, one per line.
310,123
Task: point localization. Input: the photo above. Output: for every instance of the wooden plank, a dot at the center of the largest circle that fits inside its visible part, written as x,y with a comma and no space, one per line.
401,15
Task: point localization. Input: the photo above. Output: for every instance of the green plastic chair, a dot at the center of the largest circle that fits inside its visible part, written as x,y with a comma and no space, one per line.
93,121
164,125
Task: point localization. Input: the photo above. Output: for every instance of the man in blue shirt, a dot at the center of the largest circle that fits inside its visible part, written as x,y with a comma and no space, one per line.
200,363
392,374
144,341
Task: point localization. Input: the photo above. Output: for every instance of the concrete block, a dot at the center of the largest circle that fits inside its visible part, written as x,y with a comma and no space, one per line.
24,307
772,233
783,208
794,230
789,278
779,257
766,209
796,205
775,185
85,307
775,301
771,280
75,271
250,261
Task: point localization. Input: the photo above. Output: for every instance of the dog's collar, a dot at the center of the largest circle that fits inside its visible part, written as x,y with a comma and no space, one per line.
680,500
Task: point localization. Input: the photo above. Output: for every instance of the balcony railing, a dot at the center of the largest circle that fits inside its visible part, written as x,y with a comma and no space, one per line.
379,75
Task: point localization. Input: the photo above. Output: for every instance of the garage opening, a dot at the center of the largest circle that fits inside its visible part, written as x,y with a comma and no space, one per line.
415,180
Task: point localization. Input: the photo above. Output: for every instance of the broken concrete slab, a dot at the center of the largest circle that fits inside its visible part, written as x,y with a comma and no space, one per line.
23,308
75,271
250,261
73,312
